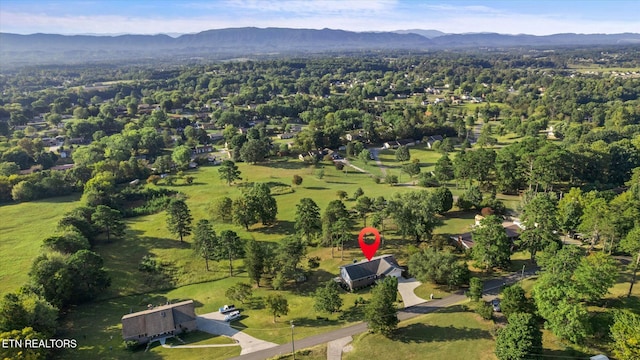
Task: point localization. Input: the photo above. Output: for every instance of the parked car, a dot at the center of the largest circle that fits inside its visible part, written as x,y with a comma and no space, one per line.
232,316
227,308
496,305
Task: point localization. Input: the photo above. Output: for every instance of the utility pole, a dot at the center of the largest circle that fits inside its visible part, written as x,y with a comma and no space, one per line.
293,347
522,278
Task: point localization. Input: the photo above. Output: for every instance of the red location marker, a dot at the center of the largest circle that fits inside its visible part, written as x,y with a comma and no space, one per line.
369,250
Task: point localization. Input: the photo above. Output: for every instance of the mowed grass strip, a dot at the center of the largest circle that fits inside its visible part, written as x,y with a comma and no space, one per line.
23,227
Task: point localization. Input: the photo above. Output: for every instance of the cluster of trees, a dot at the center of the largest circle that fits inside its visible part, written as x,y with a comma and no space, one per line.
256,204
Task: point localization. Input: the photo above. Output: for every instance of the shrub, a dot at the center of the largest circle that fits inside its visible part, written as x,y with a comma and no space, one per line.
148,264
485,310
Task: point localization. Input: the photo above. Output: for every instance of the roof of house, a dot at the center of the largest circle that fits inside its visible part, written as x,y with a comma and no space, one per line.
157,308
406,141
379,265
436,137
511,228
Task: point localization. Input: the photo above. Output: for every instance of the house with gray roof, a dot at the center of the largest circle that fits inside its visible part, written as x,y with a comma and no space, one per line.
364,273
158,322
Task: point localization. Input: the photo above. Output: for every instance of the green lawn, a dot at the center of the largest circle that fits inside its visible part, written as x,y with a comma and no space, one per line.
452,333
22,229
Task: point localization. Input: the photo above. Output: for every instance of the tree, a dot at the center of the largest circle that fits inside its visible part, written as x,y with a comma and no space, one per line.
254,151
297,180
570,210
308,222
254,260
568,280
229,172
595,274
229,246
327,298
492,246
223,209
204,241
566,318
27,309
181,156
330,222
109,221
179,218
520,339
67,243
402,154
86,269
20,353
439,267
597,220
631,244
444,199
625,333
262,203
363,206
444,169
365,156
239,292
277,305
342,194
243,213
471,197
415,214
540,221
475,289
514,301
412,169
380,312
391,179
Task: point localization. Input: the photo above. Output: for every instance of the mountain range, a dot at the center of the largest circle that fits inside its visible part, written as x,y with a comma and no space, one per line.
249,41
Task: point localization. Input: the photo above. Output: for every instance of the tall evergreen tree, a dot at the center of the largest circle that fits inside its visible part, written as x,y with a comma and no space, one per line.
308,220
204,241
179,218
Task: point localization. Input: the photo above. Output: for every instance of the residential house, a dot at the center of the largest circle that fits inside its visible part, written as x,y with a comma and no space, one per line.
158,322
202,149
215,137
47,141
433,139
353,136
287,135
511,227
65,154
365,273
397,143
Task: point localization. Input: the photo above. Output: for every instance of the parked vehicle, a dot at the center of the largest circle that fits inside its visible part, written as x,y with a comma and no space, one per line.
232,316
496,305
227,308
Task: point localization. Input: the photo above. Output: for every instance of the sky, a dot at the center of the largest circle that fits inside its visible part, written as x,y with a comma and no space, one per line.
541,17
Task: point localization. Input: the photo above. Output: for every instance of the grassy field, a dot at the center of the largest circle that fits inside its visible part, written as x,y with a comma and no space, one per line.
452,333
22,229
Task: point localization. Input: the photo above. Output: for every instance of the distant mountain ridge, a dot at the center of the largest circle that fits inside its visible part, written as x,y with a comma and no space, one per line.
225,43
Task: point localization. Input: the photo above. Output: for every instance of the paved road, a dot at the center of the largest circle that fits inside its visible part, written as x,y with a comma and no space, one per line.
490,287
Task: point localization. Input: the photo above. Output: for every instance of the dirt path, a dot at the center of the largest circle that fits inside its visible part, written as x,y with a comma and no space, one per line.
374,153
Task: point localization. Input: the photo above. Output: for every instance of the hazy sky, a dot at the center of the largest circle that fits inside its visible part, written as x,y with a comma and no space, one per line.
164,16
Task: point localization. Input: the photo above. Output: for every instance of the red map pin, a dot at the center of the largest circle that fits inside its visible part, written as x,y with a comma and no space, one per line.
369,250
